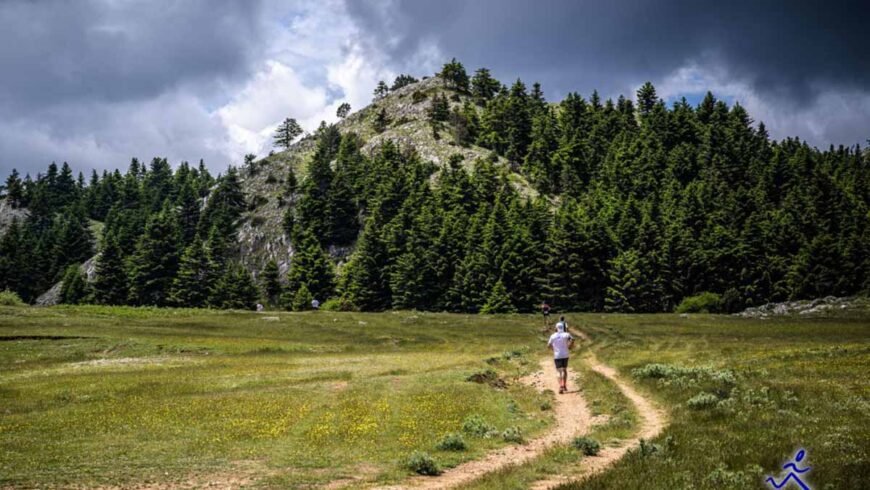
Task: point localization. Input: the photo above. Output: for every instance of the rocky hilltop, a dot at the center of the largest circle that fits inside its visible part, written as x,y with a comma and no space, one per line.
406,109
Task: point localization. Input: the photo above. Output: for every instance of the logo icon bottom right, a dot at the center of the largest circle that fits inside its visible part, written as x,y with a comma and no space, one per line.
794,473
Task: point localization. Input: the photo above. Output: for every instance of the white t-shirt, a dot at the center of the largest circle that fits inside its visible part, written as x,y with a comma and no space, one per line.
559,341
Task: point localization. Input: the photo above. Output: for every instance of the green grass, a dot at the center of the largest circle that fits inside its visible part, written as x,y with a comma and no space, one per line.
605,399
798,382
114,396
123,395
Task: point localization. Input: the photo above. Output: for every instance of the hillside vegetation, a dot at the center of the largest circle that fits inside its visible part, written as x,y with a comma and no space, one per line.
462,194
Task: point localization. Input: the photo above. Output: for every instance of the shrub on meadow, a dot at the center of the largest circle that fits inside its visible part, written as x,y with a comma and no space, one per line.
452,442
418,97
489,377
512,434
475,425
703,401
589,446
338,304
700,303
722,477
10,298
422,464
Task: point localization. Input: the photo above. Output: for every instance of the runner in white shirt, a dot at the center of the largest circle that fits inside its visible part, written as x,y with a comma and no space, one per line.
561,343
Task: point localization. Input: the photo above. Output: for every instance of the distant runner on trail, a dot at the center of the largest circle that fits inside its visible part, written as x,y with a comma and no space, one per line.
545,309
561,342
315,305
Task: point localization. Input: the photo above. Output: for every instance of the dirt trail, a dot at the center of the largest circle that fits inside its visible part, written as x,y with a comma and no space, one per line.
572,419
652,421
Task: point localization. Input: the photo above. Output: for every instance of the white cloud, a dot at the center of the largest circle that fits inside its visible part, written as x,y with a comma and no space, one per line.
316,59
305,58
273,94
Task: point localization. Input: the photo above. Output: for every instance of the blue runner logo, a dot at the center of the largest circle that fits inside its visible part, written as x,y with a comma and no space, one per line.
793,474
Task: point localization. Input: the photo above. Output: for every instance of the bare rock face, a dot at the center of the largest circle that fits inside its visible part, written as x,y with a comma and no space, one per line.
818,306
8,214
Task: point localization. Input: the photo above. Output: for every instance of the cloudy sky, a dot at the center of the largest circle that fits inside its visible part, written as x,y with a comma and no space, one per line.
96,82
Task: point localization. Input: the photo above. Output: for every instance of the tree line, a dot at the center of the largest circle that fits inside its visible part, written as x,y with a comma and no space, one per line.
635,206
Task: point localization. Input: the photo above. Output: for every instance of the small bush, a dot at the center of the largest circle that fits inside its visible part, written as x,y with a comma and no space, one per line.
512,434
418,97
722,477
270,179
10,298
452,442
488,377
700,303
422,464
648,449
702,401
476,425
589,446
338,304
546,405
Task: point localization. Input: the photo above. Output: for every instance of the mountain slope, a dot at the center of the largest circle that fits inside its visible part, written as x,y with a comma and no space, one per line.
261,235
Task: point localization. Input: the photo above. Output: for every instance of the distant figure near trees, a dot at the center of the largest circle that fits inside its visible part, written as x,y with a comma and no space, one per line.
315,305
545,310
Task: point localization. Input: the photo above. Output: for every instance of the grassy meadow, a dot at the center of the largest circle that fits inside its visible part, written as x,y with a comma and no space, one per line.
121,396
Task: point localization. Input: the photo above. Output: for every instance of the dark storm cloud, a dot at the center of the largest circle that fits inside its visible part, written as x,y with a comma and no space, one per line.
54,51
790,50
96,82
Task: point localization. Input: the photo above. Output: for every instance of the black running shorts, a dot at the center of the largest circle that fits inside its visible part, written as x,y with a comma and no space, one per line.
562,363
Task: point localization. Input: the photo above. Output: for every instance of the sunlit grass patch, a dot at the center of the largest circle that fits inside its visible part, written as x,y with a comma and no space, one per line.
124,395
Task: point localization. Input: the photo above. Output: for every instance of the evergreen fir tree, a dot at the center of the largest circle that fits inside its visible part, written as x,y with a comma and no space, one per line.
454,75
381,121
309,266
74,289
363,282
188,212
301,299
381,90
343,110
75,241
14,189
402,81
270,283
155,261
189,287
110,281
498,301
483,86
238,290
626,280
286,133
